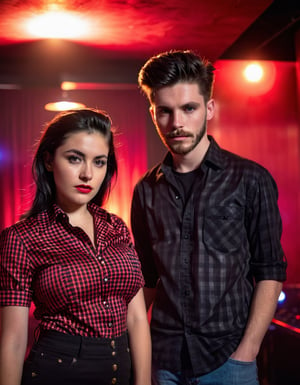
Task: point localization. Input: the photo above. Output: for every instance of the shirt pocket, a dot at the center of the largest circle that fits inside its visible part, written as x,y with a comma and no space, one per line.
223,228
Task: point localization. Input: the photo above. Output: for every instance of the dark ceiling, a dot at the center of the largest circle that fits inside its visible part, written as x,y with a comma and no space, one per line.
124,33
271,36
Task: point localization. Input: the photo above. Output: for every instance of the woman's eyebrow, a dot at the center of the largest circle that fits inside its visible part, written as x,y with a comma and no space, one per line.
74,151
79,153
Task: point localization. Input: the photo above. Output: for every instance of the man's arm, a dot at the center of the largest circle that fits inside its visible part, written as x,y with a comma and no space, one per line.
142,240
262,310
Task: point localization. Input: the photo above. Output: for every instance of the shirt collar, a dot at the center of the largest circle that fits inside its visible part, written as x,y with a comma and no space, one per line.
215,156
55,213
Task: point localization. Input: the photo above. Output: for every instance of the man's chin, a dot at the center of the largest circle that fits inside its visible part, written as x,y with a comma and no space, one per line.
180,150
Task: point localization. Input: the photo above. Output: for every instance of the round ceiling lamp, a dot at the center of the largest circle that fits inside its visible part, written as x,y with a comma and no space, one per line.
63,105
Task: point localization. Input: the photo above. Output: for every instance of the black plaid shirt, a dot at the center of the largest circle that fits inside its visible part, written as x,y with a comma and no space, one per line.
204,254
76,289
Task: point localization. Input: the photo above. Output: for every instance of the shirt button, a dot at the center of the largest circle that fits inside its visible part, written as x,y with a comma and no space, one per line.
105,279
109,324
177,197
114,367
113,380
102,262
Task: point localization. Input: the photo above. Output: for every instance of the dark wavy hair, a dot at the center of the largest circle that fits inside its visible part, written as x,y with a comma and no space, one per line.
171,67
55,133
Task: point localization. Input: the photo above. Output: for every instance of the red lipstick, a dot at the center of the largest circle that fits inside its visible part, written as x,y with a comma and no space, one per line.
84,189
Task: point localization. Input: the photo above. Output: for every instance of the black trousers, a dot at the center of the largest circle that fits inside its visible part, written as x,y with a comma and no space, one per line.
61,359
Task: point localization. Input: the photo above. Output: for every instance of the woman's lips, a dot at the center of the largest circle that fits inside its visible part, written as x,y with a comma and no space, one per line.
84,189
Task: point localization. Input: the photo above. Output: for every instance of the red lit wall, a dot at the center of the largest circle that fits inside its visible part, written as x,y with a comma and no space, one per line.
260,121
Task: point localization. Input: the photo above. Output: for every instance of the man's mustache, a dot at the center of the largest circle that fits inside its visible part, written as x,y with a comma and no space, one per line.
175,134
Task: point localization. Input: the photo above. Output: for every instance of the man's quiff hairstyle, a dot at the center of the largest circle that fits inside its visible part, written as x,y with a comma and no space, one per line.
175,66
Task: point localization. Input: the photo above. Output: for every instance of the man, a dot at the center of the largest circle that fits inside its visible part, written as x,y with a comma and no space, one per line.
207,229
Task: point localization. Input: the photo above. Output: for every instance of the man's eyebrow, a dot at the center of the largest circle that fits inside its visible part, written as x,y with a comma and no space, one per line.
162,106
191,103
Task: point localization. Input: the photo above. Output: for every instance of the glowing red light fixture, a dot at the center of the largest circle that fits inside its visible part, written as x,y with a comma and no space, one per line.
254,72
57,23
63,105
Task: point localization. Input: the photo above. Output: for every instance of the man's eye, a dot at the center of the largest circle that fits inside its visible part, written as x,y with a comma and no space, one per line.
189,108
163,111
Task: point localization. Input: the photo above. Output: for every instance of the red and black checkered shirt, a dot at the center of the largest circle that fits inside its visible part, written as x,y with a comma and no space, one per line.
76,288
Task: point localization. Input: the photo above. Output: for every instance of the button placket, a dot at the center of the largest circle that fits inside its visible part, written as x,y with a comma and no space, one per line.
114,364
105,280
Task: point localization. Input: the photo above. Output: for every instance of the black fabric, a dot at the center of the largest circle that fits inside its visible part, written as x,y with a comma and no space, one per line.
203,255
62,359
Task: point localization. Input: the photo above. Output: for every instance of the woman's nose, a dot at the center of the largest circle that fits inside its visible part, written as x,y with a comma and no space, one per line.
86,172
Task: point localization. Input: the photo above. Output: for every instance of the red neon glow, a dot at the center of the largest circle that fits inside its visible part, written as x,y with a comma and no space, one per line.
68,86
285,325
232,73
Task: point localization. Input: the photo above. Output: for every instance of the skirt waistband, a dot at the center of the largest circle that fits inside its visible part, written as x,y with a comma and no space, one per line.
76,344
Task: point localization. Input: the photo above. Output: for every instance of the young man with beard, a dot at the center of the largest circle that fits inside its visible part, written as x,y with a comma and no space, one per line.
207,230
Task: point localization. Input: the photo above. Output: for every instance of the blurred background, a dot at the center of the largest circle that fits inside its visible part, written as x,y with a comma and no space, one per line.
90,52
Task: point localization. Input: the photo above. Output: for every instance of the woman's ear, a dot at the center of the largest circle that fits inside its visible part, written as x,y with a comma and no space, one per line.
48,161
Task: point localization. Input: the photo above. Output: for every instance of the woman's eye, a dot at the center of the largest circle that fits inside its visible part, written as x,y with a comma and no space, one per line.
74,159
101,162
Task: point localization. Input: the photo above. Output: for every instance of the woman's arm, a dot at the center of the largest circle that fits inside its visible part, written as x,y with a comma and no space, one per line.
139,339
13,343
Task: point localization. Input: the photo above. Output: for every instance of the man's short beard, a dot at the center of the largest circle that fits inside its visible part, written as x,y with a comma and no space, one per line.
179,149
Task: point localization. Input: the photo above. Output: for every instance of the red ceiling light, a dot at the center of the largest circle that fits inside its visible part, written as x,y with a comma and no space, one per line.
68,86
57,23
254,72
63,106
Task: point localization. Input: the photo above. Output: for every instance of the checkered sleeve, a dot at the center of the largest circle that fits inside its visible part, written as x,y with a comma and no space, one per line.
15,274
268,260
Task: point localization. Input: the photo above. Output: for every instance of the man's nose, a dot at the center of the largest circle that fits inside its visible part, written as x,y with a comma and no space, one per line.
177,119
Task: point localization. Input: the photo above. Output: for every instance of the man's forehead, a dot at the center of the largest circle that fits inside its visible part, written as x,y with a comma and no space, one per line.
182,93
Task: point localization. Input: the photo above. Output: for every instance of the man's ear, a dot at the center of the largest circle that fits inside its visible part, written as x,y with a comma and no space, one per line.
210,109
48,161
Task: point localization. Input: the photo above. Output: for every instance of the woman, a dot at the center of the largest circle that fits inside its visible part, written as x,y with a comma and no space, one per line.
76,262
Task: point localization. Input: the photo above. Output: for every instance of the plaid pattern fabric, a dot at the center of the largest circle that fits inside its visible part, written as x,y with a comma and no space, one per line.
204,254
76,289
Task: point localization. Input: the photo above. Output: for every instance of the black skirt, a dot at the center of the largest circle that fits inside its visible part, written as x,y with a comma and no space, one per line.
62,359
